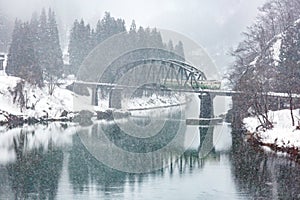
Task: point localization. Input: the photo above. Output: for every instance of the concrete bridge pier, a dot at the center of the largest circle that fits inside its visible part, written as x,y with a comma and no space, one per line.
206,105
94,95
115,98
206,131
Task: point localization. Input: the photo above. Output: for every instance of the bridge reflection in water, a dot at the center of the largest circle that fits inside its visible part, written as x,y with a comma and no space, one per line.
93,171
111,145
59,168
38,168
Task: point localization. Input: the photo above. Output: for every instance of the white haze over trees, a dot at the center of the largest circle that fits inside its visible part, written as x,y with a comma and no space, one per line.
216,25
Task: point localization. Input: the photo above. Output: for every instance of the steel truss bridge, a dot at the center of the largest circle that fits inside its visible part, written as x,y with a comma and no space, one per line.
158,75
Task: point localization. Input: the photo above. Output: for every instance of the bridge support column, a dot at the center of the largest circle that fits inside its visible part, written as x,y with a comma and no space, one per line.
206,105
206,132
115,98
95,96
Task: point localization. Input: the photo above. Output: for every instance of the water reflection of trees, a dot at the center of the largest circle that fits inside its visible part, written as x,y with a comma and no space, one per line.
35,174
264,176
85,170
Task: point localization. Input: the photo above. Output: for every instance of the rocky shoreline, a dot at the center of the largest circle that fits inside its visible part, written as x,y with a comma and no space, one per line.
83,117
292,152
12,120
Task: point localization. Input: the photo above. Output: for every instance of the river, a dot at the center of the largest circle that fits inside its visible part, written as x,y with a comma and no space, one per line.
64,161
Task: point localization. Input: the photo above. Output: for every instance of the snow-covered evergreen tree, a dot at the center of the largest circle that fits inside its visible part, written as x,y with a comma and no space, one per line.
179,49
12,59
170,46
80,44
22,59
6,27
54,61
83,38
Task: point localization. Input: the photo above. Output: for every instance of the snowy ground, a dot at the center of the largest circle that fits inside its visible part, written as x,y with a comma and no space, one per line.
40,104
38,101
153,101
283,134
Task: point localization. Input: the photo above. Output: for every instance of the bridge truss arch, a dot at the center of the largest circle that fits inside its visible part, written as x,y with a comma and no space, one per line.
155,67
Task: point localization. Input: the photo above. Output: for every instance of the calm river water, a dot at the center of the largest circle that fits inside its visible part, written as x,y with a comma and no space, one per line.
64,161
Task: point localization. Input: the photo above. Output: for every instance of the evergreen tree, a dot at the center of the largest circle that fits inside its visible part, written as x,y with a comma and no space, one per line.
156,39
179,49
6,28
170,46
54,62
34,25
99,32
35,49
22,59
12,58
46,43
132,35
80,44
141,37
42,42
132,27
83,38
108,26
289,67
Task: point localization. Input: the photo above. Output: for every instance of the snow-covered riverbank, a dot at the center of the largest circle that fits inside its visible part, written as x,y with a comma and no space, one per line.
36,103
32,102
283,137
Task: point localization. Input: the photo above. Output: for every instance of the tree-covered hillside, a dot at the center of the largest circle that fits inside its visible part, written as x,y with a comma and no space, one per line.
268,60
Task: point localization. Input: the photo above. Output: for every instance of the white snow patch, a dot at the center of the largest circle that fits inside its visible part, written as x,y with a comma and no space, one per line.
276,50
152,102
253,63
297,21
38,101
283,133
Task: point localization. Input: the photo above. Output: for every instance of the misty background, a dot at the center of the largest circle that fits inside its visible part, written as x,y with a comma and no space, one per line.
216,25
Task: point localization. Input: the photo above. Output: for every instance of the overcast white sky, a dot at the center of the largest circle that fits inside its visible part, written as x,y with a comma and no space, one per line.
214,24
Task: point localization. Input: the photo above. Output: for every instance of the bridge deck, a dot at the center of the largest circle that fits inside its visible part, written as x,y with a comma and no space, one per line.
216,92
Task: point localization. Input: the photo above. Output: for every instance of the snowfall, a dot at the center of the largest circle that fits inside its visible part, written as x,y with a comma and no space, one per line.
283,134
52,106
40,104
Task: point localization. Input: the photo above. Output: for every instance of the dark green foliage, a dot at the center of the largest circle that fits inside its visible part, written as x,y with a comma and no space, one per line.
109,26
83,39
13,62
6,28
35,50
256,70
22,60
54,59
80,43
47,45
289,68
170,46
179,49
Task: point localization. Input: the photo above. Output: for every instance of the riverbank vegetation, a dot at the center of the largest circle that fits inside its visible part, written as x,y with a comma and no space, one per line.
267,72
267,61
35,84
